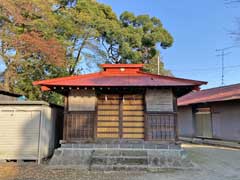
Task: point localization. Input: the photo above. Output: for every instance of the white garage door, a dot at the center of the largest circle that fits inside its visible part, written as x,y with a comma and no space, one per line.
19,131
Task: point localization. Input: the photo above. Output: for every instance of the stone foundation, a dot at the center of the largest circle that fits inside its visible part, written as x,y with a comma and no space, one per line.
120,157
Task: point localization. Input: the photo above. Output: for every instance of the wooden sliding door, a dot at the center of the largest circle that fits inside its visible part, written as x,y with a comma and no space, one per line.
108,120
120,116
203,120
133,117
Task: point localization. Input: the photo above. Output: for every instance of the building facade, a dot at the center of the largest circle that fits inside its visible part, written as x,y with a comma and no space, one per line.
211,113
121,102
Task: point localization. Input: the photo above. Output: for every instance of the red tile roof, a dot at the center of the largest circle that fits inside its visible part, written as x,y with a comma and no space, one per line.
223,93
119,75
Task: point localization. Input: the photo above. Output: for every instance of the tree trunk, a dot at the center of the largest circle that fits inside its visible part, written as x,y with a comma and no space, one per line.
6,84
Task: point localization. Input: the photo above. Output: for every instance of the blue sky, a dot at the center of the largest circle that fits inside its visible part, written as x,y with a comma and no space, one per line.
199,28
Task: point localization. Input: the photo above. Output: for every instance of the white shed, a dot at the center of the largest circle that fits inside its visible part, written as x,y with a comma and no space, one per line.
29,130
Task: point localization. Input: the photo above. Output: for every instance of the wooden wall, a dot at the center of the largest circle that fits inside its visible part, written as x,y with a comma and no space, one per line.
159,100
79,116
160,115
186,125
150,115
82,100
224,120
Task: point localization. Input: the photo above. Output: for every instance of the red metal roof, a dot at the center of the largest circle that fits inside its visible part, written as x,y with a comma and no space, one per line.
122,65
119,75
223,93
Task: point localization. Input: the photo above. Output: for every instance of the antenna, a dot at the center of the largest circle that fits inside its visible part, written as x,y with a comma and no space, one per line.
222,55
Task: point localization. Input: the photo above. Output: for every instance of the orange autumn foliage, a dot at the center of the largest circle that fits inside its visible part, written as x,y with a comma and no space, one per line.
27,25
34,42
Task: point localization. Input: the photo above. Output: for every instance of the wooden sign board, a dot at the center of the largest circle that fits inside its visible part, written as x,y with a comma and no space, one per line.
82,100
159,100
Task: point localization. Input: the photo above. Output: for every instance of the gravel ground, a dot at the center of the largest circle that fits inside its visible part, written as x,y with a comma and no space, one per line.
213,163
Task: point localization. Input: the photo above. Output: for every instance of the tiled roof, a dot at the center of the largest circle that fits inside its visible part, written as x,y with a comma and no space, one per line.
223,93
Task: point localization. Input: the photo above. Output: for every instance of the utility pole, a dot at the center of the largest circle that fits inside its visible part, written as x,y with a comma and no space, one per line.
222,55
158,64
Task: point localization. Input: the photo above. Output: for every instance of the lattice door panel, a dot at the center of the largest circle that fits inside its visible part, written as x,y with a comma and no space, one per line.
161,127
79,125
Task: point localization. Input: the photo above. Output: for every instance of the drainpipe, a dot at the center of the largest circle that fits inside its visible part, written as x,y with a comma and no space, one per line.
40,135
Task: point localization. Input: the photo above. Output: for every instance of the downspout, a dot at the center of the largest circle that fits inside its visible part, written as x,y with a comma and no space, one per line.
40,135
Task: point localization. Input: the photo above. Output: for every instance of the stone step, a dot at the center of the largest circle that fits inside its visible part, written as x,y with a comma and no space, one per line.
118,167
123,160
118,152
145,145
147,168
122,157
117,159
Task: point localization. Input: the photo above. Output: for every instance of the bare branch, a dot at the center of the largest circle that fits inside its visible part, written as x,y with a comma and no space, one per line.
72,70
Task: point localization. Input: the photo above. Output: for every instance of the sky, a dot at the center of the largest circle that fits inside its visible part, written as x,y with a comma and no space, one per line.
199,27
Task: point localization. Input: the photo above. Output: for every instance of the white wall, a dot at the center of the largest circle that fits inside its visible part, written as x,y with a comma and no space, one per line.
20,129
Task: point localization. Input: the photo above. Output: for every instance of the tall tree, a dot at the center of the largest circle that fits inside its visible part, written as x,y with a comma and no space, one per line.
45,40
26,31
135,39
80,24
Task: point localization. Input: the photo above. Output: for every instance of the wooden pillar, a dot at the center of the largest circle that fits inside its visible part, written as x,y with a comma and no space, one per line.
146,123
175,117
65,122
121,116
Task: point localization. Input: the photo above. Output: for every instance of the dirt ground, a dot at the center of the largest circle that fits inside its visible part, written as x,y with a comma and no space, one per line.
213,163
